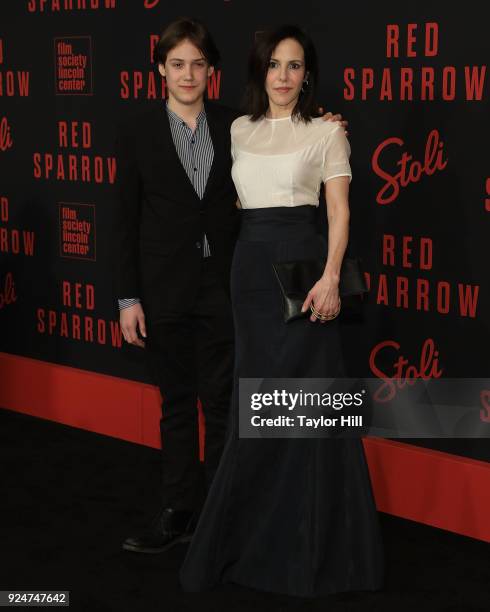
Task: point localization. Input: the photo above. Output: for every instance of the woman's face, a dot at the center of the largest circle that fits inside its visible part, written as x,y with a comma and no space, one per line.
286,73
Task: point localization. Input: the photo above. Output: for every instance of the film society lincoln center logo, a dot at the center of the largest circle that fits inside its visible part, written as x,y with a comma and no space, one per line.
77,230
73,66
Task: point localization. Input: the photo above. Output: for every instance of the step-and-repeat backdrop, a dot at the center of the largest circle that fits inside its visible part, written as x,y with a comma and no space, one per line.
412,81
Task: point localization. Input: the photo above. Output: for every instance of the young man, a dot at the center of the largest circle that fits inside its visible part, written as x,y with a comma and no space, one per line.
176,229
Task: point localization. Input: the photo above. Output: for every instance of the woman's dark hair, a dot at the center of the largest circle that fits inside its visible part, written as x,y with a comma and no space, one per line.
256,99
185,28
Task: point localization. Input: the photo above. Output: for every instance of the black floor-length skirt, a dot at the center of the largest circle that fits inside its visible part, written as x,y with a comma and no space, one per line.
293,516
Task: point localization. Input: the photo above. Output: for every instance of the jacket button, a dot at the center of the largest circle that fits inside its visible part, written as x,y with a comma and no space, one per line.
198,245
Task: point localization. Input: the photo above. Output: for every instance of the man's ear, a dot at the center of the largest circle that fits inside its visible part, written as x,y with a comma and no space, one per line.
210,70
161,69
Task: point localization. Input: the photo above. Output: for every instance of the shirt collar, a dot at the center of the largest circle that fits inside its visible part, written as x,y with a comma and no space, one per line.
176,119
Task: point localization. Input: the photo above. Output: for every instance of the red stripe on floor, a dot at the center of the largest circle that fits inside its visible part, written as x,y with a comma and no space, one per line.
423,485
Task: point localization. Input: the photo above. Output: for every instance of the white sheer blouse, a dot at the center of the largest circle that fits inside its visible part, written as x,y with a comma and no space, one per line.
283,162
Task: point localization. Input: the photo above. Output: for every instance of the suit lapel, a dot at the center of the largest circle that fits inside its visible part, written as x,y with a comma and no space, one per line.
216,132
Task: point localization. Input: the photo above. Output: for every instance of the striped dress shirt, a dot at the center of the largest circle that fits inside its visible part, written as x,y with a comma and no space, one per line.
195,151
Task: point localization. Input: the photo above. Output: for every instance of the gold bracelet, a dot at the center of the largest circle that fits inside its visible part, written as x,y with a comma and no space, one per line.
323,317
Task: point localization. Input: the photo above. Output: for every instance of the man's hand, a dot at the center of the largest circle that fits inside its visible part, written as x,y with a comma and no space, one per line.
130,319
338,117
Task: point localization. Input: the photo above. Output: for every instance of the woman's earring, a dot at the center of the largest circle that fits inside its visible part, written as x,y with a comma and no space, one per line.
305,82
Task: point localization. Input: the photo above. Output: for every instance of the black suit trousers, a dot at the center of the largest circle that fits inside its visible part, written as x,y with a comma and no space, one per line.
190,356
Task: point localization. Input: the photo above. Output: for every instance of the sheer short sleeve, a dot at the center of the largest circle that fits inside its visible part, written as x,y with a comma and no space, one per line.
336,155
232,140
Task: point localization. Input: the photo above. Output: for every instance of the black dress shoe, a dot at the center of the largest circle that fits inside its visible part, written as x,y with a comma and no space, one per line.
169,527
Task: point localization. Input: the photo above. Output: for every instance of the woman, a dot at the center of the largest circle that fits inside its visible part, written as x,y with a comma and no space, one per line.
293,516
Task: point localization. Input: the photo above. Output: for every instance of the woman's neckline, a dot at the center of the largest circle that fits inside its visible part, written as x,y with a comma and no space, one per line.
278,119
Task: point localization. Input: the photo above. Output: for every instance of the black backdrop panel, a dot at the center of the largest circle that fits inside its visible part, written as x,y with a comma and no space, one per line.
411,80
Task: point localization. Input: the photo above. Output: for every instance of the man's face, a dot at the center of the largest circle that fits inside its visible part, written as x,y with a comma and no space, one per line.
186,71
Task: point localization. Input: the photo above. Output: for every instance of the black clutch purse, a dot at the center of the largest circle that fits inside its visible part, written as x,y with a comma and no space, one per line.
296,278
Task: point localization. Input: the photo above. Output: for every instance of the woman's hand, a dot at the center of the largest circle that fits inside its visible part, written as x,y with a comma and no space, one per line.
325,297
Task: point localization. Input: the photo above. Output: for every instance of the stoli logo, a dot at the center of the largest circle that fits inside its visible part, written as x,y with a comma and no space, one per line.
5,135
411,170
149,4
485,402
8,295
402,373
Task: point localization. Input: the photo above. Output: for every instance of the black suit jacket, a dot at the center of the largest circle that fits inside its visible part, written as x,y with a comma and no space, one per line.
160,220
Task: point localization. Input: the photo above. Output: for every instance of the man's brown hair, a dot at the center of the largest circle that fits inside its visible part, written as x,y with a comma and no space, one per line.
190,29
